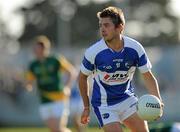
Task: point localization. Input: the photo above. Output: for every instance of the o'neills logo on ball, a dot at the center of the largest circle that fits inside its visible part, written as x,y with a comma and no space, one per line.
153,105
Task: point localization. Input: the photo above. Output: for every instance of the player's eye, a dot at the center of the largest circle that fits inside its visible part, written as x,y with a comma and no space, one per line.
106,25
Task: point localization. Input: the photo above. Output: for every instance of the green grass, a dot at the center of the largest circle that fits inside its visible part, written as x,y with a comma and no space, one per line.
27,129
40,130
154,127
23,130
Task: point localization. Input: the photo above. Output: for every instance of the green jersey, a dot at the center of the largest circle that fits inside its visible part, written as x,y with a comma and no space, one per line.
48,77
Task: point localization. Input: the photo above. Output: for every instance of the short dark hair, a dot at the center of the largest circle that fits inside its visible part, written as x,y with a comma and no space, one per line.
116,15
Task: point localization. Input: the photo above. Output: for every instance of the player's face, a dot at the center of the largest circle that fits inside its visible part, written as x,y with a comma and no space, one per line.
107,29
39,51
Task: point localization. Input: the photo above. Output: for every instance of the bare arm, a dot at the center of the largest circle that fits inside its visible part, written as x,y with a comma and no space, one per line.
151,84
29,79
69,69
83,87
71,73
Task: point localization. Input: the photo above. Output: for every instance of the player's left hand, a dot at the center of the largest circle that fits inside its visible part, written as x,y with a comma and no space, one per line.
85,116
162,108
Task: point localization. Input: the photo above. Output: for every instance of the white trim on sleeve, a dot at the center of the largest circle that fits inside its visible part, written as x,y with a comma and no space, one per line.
85,70
144,68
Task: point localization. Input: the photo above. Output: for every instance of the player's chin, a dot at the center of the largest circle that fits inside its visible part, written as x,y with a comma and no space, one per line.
106,38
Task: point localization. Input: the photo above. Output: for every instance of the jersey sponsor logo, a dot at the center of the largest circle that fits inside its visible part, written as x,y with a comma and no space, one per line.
105,115
107,67
116,77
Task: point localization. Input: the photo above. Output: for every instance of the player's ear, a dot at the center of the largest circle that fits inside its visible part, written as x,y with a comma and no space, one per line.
120,27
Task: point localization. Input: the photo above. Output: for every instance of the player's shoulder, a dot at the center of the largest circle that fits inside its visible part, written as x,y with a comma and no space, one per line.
96,47
33,63
132,43
55,59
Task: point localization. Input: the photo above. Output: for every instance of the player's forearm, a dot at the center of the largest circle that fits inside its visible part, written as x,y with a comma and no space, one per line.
29,79
71,77
85,98
69,70
84,89
69,81
153,88
152,85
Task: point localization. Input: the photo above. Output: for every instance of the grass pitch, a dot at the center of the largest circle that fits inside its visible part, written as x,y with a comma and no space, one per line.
27,129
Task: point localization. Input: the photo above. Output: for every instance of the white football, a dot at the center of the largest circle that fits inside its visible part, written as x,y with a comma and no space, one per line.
149,107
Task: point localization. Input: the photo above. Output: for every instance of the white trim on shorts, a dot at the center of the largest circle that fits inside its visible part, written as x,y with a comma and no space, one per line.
54,109
116,113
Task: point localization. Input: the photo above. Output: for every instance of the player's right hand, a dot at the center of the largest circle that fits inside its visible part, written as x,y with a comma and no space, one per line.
85,116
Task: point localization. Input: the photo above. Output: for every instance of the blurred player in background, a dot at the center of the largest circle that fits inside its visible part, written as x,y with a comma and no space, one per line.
113,61
47,70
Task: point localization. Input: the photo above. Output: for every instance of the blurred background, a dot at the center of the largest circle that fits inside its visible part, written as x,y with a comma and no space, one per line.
72,26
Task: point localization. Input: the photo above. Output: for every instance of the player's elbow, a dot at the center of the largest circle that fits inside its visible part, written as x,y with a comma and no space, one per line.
82,77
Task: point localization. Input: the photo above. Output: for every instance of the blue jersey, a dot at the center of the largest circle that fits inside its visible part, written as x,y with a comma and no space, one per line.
113,71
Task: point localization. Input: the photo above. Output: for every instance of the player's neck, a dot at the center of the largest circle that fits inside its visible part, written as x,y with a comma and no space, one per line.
42,58
116,44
